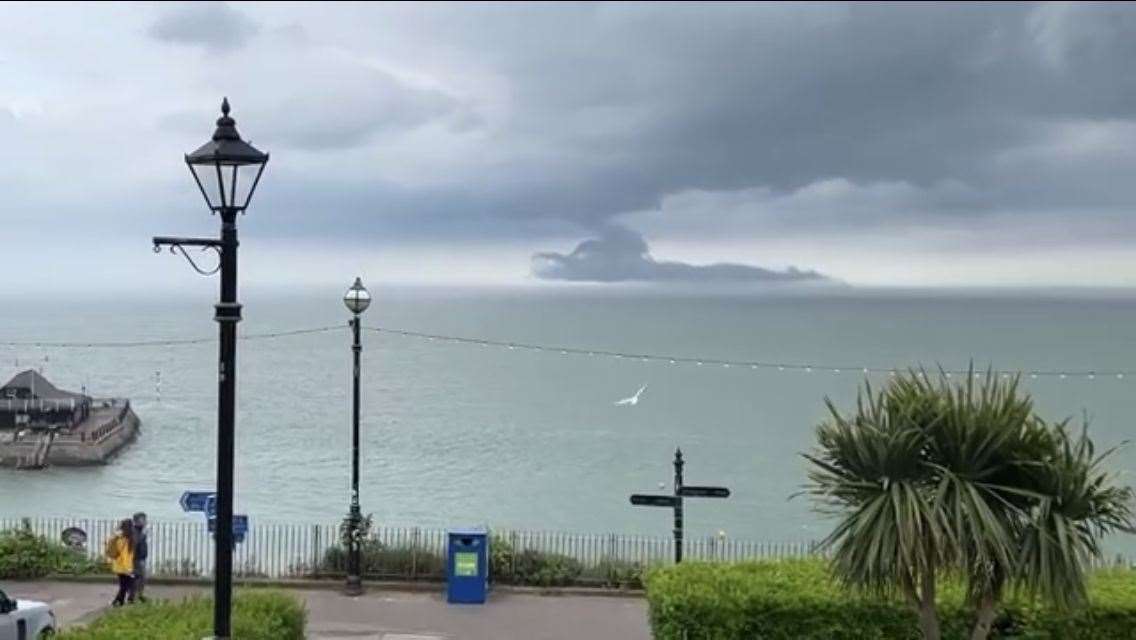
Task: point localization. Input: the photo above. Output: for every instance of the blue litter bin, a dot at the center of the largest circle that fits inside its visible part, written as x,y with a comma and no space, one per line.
467,565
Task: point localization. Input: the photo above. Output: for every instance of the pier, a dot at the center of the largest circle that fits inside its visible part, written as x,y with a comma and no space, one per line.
41,425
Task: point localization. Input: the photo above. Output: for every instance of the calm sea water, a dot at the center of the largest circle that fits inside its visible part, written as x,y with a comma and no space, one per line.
461,434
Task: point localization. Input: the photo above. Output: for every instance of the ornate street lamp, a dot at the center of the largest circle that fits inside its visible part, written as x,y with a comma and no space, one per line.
357,300
227,170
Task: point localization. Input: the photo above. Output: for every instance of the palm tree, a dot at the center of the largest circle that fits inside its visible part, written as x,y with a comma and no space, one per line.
872,470
929,477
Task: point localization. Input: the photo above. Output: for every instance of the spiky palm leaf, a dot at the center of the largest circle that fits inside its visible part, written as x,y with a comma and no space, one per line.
1081,504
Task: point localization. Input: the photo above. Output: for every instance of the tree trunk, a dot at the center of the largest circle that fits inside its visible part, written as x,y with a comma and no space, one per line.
985,619
928,612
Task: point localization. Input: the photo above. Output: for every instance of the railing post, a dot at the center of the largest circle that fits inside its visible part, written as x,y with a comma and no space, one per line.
414,555
316,560
513,558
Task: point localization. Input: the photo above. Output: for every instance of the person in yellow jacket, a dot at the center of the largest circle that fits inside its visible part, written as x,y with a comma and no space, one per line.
120,554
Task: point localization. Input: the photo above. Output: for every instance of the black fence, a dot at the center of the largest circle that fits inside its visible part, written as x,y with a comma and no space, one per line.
290,550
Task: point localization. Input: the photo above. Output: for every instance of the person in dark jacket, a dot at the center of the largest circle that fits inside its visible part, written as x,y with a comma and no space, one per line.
141,554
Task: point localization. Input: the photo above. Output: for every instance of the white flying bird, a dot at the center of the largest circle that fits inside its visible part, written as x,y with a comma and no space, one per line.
633,400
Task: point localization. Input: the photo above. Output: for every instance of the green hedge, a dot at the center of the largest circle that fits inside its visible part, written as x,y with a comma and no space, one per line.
257,615
26,555
799,600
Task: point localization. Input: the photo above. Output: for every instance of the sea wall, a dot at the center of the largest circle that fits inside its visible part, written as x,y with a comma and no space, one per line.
96,441
68,452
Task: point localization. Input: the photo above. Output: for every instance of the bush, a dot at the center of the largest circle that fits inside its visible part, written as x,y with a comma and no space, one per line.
257,615
618,574
382,560
799,600
23,555
545,569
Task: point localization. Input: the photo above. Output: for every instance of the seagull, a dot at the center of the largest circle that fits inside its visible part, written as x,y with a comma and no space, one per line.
633,400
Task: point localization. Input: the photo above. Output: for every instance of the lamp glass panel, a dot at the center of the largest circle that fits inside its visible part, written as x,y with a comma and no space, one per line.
239,183
206,174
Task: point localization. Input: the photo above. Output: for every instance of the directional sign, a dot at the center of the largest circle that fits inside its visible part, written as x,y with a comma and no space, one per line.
194,500
240,526
646,500
211,506
704,492
675,501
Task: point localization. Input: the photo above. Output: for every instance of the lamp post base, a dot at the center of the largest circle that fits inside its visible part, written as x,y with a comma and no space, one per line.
354,586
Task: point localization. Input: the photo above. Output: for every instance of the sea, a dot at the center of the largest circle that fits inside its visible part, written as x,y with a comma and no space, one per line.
461,432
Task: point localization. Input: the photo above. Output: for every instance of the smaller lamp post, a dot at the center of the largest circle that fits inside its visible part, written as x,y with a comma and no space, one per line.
357,300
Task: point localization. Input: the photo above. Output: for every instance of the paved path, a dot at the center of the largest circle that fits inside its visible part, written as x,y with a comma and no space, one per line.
392,615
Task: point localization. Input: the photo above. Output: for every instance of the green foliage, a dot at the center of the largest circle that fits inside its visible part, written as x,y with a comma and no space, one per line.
501,558
24,555
941,477
798,599
185,568
257,615
379,559
545,569
528,567
617,574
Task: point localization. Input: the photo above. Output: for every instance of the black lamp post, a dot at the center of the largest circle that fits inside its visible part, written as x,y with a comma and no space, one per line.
357,300
227,170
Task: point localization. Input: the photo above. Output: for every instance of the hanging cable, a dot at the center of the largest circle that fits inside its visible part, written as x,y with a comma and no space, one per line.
804,367
165,343
728,363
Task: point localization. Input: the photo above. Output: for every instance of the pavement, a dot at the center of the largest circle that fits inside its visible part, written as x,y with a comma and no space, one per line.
397,615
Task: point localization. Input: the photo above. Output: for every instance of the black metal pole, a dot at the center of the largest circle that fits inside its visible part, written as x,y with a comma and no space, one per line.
354,579
678,505
227,316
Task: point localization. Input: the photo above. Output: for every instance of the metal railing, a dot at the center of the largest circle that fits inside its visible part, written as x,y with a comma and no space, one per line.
292,550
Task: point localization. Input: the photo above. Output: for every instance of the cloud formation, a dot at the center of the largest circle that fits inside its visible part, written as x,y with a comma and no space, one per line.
213,25
994,131
621,255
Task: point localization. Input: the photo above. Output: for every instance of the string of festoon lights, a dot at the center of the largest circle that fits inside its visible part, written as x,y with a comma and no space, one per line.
797,367
800,367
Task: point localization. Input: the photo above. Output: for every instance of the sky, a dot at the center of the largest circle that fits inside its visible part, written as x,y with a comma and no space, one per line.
879,144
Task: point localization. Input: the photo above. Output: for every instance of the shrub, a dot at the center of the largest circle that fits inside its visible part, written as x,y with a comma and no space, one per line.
382,560
257,615
24,554
800,600
618,573
545,569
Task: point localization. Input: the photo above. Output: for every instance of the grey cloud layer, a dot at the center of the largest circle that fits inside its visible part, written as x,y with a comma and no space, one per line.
213,25
683,121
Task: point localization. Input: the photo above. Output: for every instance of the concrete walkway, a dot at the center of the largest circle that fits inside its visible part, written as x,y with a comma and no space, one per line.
395,615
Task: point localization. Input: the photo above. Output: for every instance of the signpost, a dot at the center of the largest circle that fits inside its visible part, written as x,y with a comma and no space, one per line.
195,500
704,492
644,500
240,526
675,501
205,502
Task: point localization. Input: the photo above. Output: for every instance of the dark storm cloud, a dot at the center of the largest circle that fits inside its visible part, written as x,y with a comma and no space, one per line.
213,25
995,126
621,255
614,108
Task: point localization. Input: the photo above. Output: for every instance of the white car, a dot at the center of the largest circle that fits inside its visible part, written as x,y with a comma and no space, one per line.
25,619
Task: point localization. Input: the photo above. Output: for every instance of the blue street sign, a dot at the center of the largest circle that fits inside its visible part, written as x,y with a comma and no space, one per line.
194,500
210,506
240,526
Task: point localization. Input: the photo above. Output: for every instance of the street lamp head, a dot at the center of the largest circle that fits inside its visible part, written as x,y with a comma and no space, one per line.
357,299
226,169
